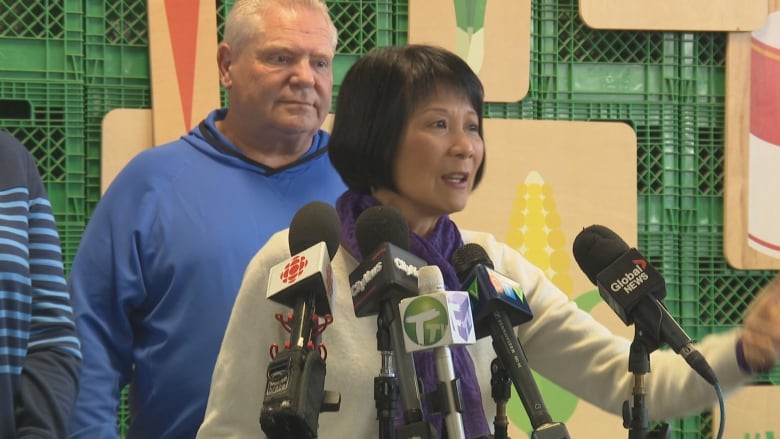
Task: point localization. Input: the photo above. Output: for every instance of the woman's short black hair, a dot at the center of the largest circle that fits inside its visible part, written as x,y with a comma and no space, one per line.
377,97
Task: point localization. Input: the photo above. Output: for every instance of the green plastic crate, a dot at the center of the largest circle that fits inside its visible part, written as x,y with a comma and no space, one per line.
41,40
574,62
116,43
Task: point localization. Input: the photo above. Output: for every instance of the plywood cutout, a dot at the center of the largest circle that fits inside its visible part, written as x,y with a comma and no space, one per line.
751,413
671,15
752,174
124,133
182,60
493,36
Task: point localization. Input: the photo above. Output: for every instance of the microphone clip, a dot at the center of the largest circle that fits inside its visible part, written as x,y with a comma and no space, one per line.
317,328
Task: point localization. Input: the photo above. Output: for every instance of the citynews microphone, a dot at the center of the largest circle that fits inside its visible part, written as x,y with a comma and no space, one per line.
634,289
498,305
386,275
438,319
294,394
389,271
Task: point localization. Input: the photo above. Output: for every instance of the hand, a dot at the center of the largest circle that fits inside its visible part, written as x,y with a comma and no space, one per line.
761,329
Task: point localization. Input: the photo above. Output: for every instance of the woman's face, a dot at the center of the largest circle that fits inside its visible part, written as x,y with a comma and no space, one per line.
436,161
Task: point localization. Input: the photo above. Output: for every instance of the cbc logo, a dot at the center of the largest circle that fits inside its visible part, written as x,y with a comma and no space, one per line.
293,269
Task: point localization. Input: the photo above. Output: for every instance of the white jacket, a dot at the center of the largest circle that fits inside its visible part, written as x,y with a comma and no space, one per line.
563,343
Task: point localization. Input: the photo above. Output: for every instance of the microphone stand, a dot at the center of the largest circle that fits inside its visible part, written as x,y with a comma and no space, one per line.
509,347
415,426
386,383
635,418
501,390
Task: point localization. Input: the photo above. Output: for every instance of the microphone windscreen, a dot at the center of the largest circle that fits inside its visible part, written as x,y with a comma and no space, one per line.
380,224
465,258
595,248
315,222
430,279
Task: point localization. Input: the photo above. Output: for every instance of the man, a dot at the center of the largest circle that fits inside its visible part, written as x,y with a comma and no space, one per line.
163,256
39,350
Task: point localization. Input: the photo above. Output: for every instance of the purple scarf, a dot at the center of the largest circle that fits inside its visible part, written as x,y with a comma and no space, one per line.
436,249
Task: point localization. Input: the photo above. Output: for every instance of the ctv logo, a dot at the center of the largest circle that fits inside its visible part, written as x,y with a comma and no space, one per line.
294,269
507,287
425,321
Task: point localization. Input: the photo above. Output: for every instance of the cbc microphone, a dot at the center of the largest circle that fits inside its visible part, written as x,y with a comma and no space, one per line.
438,319
304,282
498,304
294,393
634,289
386,275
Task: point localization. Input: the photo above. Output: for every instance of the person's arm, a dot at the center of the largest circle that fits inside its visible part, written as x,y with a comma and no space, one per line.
758,347
571,348
49,376
107,286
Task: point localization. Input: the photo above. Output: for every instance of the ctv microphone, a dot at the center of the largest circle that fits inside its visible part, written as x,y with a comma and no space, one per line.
634,290
498,304
386,275
438,319
294,393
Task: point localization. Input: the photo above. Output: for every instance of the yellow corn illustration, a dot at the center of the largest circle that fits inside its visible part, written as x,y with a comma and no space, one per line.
536,231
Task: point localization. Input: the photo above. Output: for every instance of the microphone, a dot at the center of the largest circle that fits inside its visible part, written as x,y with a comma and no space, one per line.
294,393
386,275
499,304
389,271
438,319
490,291
634,289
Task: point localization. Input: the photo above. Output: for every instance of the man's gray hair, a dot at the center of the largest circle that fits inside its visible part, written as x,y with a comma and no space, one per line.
245,19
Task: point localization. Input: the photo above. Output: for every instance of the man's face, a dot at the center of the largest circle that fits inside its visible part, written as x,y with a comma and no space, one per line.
283,79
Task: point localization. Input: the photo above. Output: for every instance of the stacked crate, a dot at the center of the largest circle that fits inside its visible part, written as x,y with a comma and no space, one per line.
41,101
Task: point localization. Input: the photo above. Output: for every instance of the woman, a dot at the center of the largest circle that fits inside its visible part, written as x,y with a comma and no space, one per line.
408,134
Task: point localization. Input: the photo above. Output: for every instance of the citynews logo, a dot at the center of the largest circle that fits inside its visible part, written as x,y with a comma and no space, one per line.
360,285
294,269
427,321
633,279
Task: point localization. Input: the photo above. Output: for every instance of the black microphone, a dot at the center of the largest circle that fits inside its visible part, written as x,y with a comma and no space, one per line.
634,289
389,271
498,304
386,275
294,393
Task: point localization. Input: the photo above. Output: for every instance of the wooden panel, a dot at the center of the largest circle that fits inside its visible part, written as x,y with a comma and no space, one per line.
494,37
544,181
124,133
690,15
752,214
183,63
